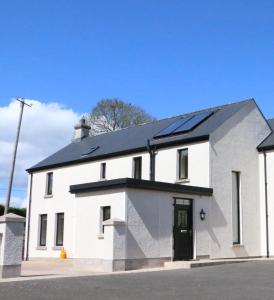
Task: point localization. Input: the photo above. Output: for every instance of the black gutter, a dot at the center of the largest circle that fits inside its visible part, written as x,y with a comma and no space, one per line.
265,148
29,213
120,153
266,205
139,184
152,154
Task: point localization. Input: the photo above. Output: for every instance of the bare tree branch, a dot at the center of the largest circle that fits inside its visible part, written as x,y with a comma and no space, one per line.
112,114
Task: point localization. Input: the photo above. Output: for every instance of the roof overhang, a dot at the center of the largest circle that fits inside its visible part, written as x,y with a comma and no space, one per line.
140,184
265,148
162,143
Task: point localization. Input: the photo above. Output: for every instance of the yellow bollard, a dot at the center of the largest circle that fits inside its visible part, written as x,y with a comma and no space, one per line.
63,254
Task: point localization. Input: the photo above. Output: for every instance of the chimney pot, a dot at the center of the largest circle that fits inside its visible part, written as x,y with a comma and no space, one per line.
81,130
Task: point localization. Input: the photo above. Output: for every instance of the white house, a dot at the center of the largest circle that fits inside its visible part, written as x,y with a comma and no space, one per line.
186,187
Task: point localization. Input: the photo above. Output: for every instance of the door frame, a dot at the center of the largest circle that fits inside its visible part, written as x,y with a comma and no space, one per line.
193,231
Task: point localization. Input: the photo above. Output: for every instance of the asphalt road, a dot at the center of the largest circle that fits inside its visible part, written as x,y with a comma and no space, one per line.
252,280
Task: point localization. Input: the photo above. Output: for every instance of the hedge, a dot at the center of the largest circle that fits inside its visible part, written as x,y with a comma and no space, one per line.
14,210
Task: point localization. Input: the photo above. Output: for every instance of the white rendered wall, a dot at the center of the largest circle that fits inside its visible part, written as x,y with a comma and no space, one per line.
234,148
63,201
270,191
89,243
198,164
149,221
119,167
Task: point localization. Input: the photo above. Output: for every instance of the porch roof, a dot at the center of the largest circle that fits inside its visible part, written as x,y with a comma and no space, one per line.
140,184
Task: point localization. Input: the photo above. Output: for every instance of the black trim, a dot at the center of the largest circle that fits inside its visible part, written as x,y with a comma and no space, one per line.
120,153
139,184
265,148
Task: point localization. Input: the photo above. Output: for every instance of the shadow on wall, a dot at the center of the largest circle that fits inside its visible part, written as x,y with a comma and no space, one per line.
223,130
133,248
149,224
217,220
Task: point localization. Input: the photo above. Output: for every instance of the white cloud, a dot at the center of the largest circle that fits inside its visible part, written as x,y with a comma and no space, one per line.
46,127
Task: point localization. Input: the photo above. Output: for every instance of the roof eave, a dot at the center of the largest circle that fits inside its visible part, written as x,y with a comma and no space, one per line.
139,184
120,153
265,148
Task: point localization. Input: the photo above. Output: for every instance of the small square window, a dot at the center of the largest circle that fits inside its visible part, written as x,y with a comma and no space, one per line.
137,167
103,171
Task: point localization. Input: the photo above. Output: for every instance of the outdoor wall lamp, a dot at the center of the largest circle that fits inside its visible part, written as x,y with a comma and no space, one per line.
202,214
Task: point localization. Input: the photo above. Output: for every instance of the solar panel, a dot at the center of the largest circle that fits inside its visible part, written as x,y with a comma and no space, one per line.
193,122
89,151
184,124
173,126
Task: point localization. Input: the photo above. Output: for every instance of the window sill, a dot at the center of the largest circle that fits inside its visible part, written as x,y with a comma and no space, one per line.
178,181
41,248
237,245
48,196
58,248
100,236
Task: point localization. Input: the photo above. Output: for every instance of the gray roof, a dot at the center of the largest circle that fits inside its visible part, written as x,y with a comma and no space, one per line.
268,143
134,139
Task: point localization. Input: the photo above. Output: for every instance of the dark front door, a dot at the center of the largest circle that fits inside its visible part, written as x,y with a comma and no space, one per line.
182,231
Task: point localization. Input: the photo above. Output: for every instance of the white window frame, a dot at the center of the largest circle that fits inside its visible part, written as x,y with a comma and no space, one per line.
178,165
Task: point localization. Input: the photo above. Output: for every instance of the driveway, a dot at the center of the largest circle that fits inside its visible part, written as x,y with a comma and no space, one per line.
252,280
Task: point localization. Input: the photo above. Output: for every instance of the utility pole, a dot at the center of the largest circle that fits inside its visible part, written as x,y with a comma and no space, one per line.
22,105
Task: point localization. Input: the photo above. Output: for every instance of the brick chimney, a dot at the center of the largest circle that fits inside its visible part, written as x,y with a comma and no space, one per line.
81,130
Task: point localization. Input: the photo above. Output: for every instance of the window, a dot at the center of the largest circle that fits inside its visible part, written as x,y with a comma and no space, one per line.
183,164
103,171
137,167
105,215
49,183
59,229
43,230
236,211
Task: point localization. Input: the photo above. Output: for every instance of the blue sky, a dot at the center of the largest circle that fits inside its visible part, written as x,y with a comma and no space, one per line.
166,56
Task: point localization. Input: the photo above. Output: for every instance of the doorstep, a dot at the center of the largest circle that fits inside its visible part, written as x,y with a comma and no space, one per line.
189,264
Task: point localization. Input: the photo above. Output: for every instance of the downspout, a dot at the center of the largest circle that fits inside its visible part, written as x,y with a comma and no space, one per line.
152,152
266,205
29,212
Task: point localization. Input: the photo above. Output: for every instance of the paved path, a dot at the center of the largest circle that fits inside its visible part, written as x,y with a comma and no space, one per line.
252,280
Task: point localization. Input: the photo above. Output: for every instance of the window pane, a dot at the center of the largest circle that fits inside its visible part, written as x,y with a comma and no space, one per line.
183,164
236,207
106,213
183,201
49,183
43,230
182,218
60,229
137,167
103,170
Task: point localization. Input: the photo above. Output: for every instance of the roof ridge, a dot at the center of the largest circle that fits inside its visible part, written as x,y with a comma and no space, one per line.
176,116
